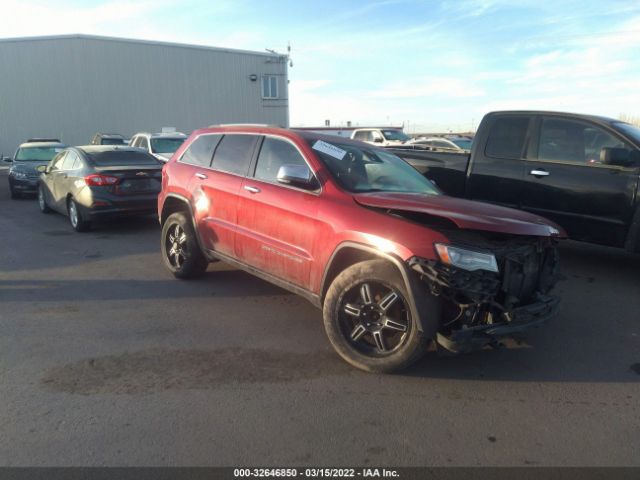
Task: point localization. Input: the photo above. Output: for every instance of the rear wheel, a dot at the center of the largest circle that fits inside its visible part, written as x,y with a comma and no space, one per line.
78,223
42,200
369,319
180,250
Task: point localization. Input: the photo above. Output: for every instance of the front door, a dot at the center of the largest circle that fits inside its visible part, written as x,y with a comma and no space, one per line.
566,182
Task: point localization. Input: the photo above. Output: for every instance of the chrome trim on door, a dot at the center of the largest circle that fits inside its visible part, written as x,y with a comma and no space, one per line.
251,189
202,176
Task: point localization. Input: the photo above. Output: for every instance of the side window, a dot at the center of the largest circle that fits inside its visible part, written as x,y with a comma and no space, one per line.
269,86
360,136
274,154
143,143
56,162
507,137
570,141
374,134
69,160
201,150
233,154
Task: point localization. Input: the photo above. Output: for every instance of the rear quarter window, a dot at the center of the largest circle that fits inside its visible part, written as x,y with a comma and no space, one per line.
507,137
201,150
234,153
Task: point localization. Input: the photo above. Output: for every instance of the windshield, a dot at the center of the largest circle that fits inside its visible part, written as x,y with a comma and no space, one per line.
463,143
37,154
628,129
361,169
121,158
166,145
112,141
395,135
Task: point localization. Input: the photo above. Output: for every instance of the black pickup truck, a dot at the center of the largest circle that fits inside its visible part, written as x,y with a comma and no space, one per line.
580,171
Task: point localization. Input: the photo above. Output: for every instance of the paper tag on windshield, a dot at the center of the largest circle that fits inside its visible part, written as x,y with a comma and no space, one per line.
329,149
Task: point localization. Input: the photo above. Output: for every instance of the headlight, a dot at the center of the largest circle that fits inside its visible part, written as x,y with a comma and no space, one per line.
466,259
20,175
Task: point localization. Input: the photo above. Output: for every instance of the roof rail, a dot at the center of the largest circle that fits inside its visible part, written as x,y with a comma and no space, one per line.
33,140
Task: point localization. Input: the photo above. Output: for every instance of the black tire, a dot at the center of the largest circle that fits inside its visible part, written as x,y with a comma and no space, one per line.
78,223
181,253
42,200
381,345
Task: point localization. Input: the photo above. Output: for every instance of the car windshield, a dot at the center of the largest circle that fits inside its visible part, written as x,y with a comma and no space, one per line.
395,135
361,169
628,129
121,158
37,154
463,143
112,141
166,145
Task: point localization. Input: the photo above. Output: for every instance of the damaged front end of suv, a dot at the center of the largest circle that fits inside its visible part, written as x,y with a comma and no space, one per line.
492,286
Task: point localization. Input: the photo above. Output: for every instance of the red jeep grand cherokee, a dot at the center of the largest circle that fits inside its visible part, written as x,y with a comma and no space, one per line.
392,262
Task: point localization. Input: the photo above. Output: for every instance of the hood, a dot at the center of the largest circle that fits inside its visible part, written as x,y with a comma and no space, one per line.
465,214
26,167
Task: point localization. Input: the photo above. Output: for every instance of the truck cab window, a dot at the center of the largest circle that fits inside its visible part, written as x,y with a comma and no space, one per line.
507,137
570,141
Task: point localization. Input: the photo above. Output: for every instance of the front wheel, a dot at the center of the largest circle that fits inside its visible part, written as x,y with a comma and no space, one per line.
180,250
369,319
42,200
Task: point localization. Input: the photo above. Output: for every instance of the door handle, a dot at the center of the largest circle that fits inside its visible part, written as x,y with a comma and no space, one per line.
539,173
251,189
201,176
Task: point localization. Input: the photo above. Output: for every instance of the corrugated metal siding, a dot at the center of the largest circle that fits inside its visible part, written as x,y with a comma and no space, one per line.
74,87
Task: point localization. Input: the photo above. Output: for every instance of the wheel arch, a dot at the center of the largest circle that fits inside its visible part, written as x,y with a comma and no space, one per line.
350,253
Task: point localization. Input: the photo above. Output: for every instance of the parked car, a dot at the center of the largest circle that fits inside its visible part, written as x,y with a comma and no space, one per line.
435,143
391,261
160,145
580,171
94,182
23,176
108,139
381,136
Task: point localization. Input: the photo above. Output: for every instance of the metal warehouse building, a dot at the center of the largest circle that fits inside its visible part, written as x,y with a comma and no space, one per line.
73,86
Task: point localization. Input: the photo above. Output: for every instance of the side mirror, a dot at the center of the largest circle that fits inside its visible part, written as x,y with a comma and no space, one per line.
297,175
616,156
42,168
7,159
378,140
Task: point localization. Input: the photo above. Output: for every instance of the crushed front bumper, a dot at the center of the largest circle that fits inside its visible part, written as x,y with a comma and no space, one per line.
489,305
521,319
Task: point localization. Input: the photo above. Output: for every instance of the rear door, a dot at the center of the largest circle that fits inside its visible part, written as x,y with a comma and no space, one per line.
215,191
278,224
496,172
64,180
566,182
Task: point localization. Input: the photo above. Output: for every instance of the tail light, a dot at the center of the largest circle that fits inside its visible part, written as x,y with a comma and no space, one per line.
97,180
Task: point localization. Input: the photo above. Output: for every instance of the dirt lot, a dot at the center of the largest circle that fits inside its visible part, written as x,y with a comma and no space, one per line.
105,359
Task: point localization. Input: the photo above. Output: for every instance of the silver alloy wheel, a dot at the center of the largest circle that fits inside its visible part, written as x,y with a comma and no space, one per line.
73,213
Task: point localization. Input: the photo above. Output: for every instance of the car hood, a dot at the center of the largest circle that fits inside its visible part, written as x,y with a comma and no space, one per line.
465,214
26,167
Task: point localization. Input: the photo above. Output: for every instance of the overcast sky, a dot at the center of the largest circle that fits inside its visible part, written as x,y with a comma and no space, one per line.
433,65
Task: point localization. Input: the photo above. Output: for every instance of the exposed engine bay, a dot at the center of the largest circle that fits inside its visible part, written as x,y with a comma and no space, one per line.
481,306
